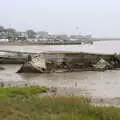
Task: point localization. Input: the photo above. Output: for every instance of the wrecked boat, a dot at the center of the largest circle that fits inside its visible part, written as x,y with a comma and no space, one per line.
70,61
2,68
10,57
102,65
37,64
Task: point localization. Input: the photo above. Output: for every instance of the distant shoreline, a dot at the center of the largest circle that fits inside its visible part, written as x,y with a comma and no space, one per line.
105,39
36,43
57,43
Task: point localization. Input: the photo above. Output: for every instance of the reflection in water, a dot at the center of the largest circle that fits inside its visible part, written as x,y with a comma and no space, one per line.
99,84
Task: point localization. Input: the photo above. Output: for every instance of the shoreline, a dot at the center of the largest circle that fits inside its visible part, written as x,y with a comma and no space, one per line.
34,103
64,92
36,43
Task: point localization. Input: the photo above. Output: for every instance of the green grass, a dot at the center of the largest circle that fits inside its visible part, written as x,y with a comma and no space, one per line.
27,104
23,91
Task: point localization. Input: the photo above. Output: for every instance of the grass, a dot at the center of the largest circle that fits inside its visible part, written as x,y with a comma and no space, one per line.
27,104
23,91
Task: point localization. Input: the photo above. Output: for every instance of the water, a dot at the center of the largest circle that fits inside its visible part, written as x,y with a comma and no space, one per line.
106,47
91,83
97,84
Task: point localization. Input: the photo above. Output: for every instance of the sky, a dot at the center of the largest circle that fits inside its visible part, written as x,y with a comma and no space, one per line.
99,18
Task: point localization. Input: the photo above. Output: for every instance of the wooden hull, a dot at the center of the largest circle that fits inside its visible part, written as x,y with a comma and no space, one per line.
9,57
4,60
69,62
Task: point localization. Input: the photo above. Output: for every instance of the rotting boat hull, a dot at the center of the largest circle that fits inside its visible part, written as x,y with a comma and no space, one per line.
10,57
69,62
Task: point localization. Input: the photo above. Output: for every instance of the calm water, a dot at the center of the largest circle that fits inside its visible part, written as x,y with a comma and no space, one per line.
107,47
96,84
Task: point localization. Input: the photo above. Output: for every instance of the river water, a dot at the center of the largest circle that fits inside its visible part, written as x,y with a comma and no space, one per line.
91,83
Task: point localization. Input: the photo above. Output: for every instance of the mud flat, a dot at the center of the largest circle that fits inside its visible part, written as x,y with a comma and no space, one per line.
100,87
66,92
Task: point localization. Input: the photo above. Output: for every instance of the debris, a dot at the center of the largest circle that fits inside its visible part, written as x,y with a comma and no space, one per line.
9,57
36,65
102,65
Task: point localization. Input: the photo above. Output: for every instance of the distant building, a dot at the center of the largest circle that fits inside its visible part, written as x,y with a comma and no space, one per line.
21,36
61,37
42,35
32,40
31,34
76,37
3,37
4,40
81,38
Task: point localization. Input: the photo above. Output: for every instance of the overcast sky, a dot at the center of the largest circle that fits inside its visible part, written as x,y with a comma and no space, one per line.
101,18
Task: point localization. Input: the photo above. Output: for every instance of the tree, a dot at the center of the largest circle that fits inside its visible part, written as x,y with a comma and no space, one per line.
31,33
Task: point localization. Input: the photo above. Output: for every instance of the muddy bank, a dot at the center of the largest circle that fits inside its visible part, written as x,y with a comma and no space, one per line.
92,83
64,91
101,87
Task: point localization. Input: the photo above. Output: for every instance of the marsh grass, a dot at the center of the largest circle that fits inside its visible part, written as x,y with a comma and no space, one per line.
26,104
22,91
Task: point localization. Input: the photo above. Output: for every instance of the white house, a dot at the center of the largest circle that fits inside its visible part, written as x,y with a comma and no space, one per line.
4,40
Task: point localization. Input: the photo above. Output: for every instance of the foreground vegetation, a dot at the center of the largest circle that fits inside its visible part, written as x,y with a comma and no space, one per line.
28,104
